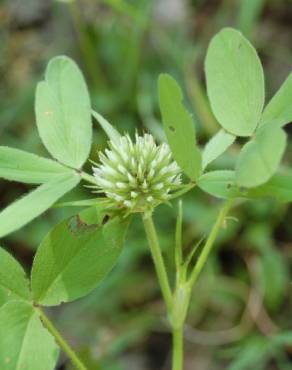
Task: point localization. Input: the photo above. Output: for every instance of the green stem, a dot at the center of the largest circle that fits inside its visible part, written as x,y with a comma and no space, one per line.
61,341
178,238
210,241
177,305
177,350
158,259
86,47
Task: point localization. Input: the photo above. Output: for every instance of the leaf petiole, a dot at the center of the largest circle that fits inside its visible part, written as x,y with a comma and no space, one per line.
61,341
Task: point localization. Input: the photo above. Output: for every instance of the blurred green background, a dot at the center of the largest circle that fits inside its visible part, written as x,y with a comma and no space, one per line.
241,312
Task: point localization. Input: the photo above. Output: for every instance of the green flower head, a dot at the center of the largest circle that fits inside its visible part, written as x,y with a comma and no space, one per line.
137,176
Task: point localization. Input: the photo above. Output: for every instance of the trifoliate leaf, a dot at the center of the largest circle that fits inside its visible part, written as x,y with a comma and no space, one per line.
217,145
280,107
179,127
235,82
24,342
259,159
36,202
17,165
63,112
76,255
14,284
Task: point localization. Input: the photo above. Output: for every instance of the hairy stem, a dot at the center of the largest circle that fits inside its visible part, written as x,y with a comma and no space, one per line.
158,260
61,341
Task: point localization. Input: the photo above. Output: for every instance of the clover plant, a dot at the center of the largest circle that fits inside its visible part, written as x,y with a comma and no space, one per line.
133,176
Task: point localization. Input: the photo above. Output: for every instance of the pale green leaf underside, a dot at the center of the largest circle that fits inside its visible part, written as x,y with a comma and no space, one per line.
36,202
63,112
280,106
259,158
222,184
217,146
179,127
111,132
75,256
235,82
13,281
17,165
24,343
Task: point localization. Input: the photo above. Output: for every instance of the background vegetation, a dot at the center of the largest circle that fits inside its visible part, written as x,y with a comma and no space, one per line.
241,313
